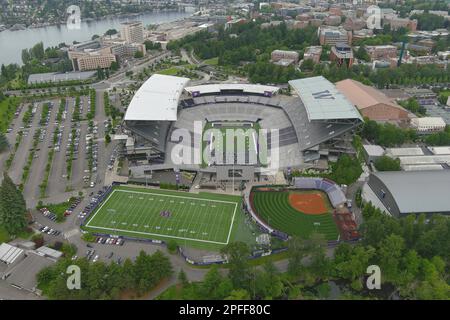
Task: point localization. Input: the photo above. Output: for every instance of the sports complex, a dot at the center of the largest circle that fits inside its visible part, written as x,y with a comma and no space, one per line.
217,142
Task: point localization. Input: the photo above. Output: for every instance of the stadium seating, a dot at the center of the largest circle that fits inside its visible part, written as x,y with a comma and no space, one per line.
334,192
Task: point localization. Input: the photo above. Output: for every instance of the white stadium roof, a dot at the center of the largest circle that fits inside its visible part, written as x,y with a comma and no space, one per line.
157,99
217,88
323,101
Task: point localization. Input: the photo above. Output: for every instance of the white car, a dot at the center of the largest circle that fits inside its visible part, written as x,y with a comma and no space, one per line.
95,258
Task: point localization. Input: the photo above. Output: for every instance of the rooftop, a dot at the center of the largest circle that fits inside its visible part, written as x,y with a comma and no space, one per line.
322,100
363,96
9,253
246,88
418,191
157,99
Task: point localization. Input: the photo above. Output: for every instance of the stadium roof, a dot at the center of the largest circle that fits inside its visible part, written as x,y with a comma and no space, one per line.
323,101
247,88
157,99
418,191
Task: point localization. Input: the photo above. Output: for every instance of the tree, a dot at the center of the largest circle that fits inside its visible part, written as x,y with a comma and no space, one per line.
12,207
237,255
4,144
362,54
239,294
268,284
139,55
111,32
183,278
386,163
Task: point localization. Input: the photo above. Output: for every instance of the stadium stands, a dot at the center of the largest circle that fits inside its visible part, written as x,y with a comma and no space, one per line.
334,192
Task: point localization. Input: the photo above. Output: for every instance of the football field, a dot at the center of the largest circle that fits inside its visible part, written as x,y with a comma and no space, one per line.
165,215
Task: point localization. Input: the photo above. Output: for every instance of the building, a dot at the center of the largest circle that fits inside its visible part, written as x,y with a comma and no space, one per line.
123,50
22,275
313,53
278,55
400,193
372,152
397,23
315,122
384,52
333,35
428,124
132,32
421,158
9,254
91,55
60,77
332,20
372,103
342,54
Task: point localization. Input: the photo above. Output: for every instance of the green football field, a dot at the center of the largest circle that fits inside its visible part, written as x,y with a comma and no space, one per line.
274,208
232,146
201,218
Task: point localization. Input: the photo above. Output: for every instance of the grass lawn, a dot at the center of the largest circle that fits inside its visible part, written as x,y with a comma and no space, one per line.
212,61
274,208
58,209
169,72
202,220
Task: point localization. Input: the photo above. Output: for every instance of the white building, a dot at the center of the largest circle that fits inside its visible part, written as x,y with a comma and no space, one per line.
428,124
132,32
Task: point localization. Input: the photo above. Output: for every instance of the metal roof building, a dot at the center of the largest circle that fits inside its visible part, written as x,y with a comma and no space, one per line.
372,103
59,77
157,99
406,192
23,274
323,101
9,254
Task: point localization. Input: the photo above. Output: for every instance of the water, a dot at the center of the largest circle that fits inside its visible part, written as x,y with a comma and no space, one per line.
12,42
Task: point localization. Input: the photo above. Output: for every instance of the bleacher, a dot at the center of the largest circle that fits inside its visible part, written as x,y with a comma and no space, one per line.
334,192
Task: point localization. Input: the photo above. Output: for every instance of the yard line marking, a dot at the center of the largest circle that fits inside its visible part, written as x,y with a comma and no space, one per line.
181,197
159,235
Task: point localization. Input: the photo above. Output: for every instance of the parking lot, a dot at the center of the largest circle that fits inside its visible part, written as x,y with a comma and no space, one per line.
80,157
439,111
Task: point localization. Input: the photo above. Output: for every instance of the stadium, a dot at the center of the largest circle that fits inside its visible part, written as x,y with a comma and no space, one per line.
308,205
313,123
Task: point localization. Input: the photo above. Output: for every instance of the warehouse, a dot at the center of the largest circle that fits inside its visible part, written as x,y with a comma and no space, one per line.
409,192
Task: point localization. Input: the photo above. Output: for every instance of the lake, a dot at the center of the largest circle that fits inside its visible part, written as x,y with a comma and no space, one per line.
12,42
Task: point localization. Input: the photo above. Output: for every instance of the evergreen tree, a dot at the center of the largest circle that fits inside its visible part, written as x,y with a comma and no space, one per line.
12,207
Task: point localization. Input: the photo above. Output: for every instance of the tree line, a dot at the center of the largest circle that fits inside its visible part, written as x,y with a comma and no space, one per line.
412,253
101,281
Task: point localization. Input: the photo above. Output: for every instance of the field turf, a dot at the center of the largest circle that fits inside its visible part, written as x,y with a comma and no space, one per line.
202,218
274,208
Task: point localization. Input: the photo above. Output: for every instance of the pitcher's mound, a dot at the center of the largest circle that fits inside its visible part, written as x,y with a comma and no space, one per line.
308,203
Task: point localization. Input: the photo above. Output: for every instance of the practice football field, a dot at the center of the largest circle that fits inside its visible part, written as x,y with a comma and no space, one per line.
165,215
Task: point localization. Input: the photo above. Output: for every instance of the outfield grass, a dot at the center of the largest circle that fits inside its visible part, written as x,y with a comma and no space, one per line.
274,209
203,220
